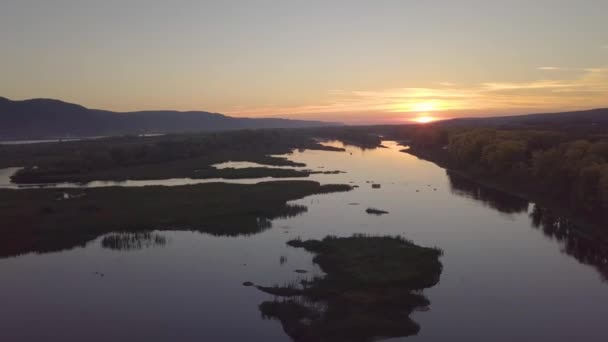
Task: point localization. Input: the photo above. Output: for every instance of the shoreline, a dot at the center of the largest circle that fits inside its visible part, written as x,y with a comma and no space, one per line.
587,229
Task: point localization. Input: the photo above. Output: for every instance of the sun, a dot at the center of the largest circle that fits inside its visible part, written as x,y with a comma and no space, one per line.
424,119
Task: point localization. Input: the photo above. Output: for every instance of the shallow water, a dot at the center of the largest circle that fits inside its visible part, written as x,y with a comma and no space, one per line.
136,183
242,165
511,273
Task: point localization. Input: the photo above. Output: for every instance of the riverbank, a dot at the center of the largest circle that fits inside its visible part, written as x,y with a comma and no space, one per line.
588,228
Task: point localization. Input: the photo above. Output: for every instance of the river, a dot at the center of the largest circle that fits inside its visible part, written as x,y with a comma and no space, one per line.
511,271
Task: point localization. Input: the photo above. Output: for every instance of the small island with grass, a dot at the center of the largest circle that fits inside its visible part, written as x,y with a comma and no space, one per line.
370,287
377,212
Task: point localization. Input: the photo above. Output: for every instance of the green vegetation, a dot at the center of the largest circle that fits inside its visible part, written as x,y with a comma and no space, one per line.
558,167
371,286
40,220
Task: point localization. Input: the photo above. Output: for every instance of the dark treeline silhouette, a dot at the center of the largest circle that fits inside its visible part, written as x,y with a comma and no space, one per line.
586,120
50,119
171,156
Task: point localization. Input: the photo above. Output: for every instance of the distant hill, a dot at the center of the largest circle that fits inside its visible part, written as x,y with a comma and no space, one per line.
578,119
49,119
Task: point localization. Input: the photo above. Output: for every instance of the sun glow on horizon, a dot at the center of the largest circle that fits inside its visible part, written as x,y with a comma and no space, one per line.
431,103
428,106
424,119
419,105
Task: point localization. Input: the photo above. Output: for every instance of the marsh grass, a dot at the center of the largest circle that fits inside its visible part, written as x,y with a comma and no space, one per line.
34,217
370,287
126,241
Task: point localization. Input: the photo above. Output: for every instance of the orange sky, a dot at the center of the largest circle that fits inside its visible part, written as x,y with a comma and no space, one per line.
348,61
560,89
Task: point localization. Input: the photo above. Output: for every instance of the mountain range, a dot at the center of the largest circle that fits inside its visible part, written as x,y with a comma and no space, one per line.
53,119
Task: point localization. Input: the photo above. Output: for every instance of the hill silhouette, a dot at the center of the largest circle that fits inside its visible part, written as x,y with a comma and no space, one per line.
575,119
50,119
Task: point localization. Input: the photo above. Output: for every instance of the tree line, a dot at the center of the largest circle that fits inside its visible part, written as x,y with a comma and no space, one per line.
571,168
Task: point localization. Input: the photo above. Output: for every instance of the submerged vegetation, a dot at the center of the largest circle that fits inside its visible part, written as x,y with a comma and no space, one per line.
214,208
371,286
126,241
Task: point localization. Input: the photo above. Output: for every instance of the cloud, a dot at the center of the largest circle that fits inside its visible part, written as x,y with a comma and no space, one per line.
543,84
587,88
549,68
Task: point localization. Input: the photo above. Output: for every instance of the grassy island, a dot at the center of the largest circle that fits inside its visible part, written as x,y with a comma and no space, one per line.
370,287
46,220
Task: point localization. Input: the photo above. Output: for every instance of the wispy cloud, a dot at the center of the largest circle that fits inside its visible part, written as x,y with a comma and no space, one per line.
596,70
552,68
542,84
588,88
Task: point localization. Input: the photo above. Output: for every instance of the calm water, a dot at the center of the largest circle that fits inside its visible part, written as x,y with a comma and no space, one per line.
512,272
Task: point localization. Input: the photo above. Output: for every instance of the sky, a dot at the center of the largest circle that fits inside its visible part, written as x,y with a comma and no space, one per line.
350,61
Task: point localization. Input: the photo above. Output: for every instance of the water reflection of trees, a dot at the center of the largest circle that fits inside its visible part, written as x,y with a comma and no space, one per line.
126,241
495,199
583,248
574,243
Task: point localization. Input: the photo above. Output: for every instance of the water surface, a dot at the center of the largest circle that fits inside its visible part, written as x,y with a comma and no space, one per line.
512,271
